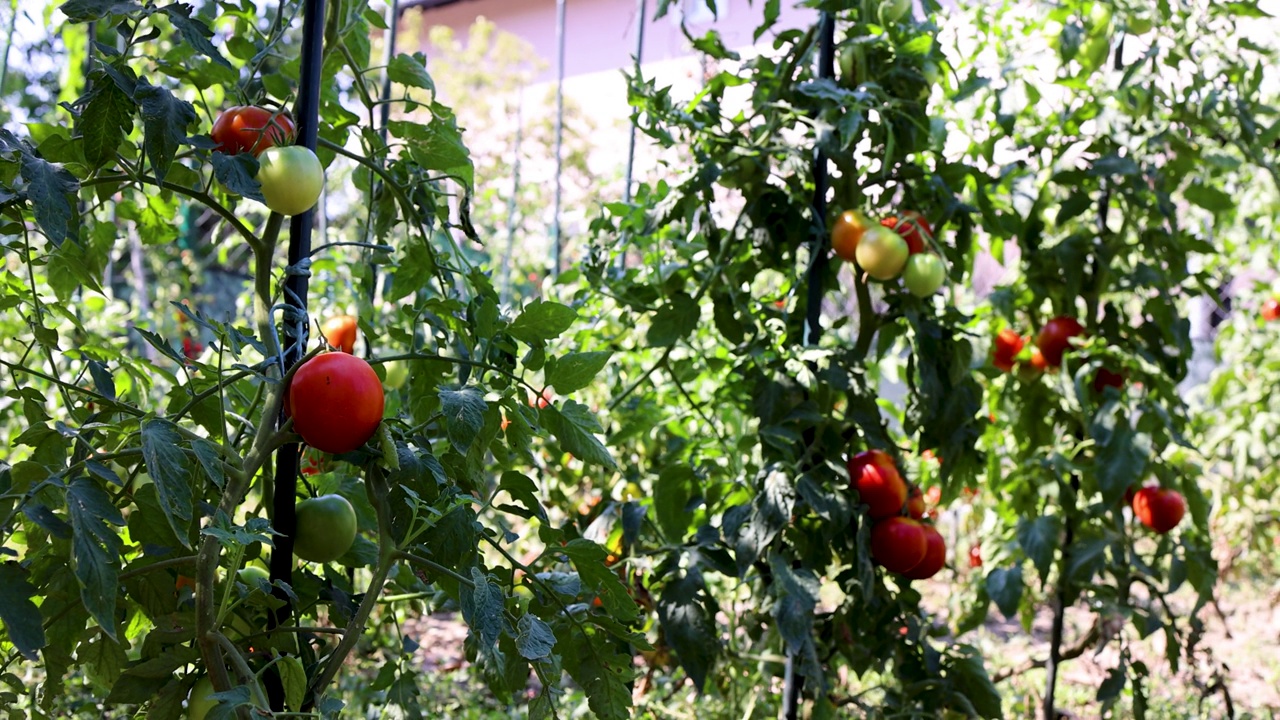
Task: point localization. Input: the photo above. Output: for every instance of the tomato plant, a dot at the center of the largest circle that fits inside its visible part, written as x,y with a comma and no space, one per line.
248,128
336,401
326,528
291,179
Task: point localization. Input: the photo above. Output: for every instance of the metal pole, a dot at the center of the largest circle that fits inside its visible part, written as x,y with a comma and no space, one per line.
557,243
814,279
306,115
641,6
511,201
641,12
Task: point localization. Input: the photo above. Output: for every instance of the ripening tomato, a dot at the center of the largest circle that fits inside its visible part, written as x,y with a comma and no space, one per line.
1158,508
291,179
924,274
898,543
915,502
846,233
913,228
340,332
1271,309
935,555
336,402
882,253
199,703
251,128
1006,347
326,528
1055,336
1038,361
880,487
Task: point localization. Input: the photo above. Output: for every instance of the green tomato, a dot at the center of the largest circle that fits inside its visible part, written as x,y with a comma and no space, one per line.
891,11
397,374
882,253
199,703
251,575
924,274
326,528
291,178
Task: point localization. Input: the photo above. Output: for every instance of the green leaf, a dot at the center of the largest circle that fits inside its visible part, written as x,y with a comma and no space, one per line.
167,466
1005,588
106,120
575,428
673,321
463,414
194,31
1208,197
22,621
965,668
482,608
165,119
588,559
438,144
411,70
1121,458
1039,538
675,487
49,188
534,638
541,321
689,625
575,371
238,174
524,491
600,671
80,11
95,549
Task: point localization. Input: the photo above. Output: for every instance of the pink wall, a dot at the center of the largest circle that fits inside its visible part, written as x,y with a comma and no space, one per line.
600,34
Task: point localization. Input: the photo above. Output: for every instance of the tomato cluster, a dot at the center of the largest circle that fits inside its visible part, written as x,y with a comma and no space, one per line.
1052,344
290,175
902,544
898,246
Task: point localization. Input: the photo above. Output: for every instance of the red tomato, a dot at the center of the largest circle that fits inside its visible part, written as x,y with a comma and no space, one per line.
1106,378
251,128
915,502
935,555
1158,508
340,332
934,495
1271,309
1006,347
880,487
1055,336
975,556
846,233
913,228
898,543
191,348
336,402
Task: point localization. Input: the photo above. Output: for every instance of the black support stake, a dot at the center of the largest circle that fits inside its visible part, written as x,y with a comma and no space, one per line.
307,117
815,276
